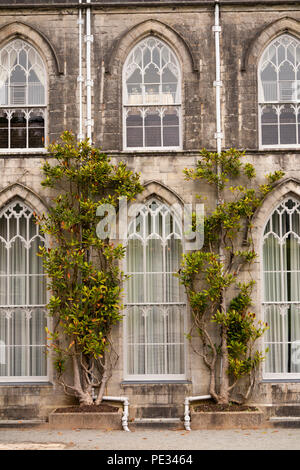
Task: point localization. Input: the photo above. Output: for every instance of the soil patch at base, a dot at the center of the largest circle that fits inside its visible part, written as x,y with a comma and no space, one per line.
212,407
88,409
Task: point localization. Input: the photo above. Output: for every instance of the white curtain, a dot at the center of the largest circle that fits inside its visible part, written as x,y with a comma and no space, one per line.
154,325
22,282
4,73
281,261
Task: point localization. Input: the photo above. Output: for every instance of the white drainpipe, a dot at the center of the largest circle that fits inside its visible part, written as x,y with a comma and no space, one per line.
187,401
80,135
217,83
89,82
218,136
125,416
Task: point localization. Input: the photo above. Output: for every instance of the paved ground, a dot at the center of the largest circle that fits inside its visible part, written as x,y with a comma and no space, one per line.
44,439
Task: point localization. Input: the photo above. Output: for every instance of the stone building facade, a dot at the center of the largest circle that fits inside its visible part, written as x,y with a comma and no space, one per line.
260,73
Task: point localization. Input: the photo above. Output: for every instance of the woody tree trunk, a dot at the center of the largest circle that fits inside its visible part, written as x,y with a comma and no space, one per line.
211,275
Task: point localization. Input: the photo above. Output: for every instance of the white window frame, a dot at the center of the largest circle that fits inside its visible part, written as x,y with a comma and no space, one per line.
26,308
262,102
289,376
177,103
27,108
154,377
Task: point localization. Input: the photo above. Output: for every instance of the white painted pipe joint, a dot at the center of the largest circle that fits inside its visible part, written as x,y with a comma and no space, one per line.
125,415
187,401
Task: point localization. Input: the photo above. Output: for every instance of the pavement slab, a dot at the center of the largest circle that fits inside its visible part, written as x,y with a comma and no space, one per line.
145,439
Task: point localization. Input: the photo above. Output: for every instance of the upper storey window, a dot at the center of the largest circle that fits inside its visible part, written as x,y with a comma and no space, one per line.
22,97
279,93
152,97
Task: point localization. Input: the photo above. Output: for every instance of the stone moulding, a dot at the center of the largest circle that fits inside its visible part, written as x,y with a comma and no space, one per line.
227,419
104,421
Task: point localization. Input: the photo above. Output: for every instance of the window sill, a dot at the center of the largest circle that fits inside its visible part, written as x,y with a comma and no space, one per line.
276,381
157,382
152,149
280,147
23,151
26,384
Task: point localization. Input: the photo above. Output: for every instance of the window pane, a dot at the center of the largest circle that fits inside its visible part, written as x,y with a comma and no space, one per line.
134,128
36,89
18,130
269,135
3,130
36,130
288,134
153,129
171,129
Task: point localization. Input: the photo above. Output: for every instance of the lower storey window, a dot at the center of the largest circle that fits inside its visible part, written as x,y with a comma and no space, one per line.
155,307
281,306
22,297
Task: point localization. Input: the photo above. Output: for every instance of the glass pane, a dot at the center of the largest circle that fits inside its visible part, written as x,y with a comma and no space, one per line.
134,256
18,85
136,359
18,130
287,120
134,128
36,125
36,90
269,135
288,135
3,130
17,289
135,288
37,290
154,256
153,129
135,325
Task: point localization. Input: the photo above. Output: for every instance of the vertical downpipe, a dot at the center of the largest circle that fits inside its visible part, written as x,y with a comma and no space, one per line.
80,135
218,135
89,81
217,83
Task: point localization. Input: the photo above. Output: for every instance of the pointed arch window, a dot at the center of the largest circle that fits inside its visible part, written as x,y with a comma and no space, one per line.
281,277
22,297
279,93
23,103
152,97
155,302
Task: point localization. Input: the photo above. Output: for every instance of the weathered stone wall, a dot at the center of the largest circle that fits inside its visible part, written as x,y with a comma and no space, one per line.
188,30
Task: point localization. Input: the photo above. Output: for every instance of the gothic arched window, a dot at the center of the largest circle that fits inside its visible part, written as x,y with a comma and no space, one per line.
279,93
152,97
281,292
22,97
155,303
22,296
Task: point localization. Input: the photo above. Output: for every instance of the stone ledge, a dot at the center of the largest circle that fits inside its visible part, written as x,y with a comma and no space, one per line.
227,420
104,421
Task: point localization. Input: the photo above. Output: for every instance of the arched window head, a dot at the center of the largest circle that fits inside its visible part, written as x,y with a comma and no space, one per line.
152,97
22,97
279,93
281,292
